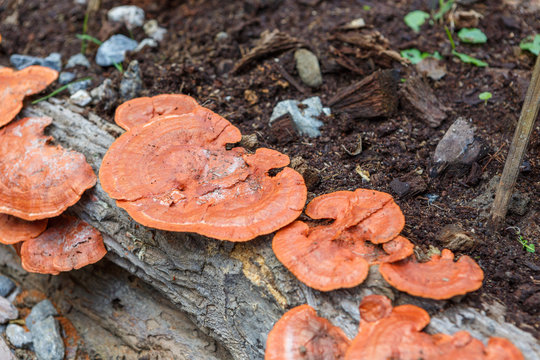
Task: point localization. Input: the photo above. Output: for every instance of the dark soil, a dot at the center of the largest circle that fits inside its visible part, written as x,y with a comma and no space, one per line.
192,62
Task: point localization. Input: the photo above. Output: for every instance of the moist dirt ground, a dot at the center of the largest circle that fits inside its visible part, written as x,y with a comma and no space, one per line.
191,60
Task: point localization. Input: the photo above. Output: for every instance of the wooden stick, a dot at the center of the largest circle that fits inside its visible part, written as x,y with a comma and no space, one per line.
517,150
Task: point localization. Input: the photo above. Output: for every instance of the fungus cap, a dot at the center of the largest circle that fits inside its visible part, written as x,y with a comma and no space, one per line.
440,278
15,85
338,255
68,243
188,181
14,230
39,180
301,334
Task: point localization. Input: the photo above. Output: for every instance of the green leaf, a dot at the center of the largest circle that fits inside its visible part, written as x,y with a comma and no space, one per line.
437,55
467,59
531,44
366,7
486,95
415,56
89,38
444,7
415,19
472,36
59,90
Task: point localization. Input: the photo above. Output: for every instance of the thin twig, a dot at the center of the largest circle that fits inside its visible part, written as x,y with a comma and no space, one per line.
290,79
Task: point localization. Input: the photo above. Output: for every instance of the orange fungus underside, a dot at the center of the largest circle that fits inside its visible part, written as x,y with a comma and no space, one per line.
300,334
174,173
14,230
440,278
39,180
68,243
338,255
15,85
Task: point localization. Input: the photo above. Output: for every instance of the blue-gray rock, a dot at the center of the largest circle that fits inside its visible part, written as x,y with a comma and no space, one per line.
40,311
131,15
6,285
48,344
79,85
304,118
53,61
78,60
131,84
7,311
65,77
18,337
113,51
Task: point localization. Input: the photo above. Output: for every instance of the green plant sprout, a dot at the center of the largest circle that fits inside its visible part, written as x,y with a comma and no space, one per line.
84,37
60,89
486,95
444,7
472,36
529,247
415,19
415,55
463,57
84,30
531,44
366,7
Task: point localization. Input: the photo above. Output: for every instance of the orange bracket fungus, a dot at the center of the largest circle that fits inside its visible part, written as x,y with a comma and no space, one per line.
14,230
338,255
395,333
301,334
68,243
38,180
173,172
440,278
15,85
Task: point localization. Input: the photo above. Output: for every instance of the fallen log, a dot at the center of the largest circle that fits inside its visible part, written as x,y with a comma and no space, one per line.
232,292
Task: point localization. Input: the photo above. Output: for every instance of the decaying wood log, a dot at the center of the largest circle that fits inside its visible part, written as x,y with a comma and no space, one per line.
418,97
232,292
373,96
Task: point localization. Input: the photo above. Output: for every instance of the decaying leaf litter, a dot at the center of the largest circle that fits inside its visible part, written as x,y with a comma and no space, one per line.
397,147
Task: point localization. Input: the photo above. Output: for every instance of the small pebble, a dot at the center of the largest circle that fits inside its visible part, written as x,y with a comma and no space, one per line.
53,61
113,50
18,337
303,116
39,312
152,29
48,343
81,98
7,311
132,16
308,67
221,36
131,84
79,85
65,77
6,285
78,59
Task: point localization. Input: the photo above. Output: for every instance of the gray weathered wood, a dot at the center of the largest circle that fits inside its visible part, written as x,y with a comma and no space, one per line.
233,292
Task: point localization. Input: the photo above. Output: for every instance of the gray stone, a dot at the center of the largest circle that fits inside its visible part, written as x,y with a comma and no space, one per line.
81,98
104,94
65,77
458,146
5,352
48,344
132,16
53,61
113,50
152,29
308,67
78,60
7,311
18,337
6,285
40,312
79,85
304,118
519,203
131,84
146,42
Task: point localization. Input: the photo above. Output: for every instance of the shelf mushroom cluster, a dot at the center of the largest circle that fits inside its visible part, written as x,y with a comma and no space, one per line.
39,181
385,332
172,170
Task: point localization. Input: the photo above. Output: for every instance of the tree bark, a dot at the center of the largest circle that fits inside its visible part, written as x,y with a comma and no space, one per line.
234,292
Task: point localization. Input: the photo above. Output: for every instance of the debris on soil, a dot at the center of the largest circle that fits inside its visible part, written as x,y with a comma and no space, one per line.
453,237
433,68
373,96
417,97
304,114
152,29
